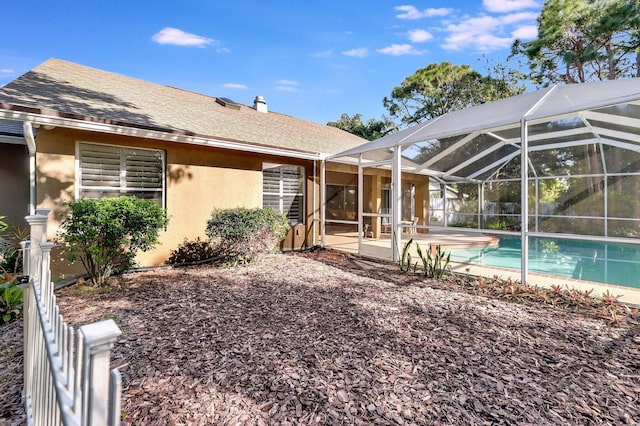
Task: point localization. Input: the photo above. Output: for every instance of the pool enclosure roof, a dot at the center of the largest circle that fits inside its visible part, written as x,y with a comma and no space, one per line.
474,143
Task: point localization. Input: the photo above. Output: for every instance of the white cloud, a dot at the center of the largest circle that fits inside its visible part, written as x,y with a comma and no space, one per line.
420,36
488,33
287,85
512,18
288,82
480,42
399,49
356,53
286,88
476,33
235,86
178,37
502,6
6,71
526,32
411,12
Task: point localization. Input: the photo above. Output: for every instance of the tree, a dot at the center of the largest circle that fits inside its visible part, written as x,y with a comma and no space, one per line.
584,40
439,88
371,130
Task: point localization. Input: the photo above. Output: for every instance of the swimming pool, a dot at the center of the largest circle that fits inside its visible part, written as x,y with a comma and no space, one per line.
584,260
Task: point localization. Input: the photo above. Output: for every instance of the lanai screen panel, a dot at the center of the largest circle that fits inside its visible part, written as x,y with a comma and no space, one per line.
583,158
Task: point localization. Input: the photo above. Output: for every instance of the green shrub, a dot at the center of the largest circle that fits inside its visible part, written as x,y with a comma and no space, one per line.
466,224
10,254
240,234
10,259
10,299
503,224
105,234
191,251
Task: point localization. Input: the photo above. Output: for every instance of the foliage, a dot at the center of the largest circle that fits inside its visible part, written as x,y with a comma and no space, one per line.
10,298
440,88
10,258
241,234
371,130
578,202
607,306
435,264
464,224
584,40
3,225
405,258
503,223
191,251
105,234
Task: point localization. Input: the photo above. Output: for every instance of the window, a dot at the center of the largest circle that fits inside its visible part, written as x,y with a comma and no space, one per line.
283,190
113,171
342,202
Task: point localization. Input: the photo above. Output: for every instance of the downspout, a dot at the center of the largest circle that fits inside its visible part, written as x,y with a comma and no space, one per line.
314,207
31,146
323,200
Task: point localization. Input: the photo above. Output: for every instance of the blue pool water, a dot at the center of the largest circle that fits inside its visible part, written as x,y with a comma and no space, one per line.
584,260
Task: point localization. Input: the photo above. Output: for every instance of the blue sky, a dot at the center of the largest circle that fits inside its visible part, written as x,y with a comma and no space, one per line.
310,59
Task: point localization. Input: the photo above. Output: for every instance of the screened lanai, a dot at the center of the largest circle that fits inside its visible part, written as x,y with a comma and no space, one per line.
533,174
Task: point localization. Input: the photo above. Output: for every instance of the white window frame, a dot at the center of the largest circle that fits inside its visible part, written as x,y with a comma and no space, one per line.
281,193
122,189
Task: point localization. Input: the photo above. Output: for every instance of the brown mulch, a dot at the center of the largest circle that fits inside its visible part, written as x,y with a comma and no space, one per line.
11,411
327,338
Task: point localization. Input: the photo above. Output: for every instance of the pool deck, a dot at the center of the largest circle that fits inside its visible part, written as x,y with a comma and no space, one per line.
381,249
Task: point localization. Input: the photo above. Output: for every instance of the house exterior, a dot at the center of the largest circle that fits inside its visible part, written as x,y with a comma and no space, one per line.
14,173
68,131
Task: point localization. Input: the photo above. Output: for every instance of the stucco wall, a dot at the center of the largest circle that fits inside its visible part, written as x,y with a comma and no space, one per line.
14,183
198,179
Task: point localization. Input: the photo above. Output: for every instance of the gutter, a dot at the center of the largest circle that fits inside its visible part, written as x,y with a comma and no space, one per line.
117,128
31,146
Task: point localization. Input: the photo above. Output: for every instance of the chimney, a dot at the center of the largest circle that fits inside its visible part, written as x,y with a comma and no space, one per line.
259,104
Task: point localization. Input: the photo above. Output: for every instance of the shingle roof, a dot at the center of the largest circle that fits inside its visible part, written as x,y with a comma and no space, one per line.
58,87
10,128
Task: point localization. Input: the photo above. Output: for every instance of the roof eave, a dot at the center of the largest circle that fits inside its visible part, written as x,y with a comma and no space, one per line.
51,118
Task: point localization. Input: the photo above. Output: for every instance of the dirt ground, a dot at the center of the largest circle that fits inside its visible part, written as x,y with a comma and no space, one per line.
327,338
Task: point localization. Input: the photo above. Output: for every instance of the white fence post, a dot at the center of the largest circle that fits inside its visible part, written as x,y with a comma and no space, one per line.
98,340
66,374
30,257
38,224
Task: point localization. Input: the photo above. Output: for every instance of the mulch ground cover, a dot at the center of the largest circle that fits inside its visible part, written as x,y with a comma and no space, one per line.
328,338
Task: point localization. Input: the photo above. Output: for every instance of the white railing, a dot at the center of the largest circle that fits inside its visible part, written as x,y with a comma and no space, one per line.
66,372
